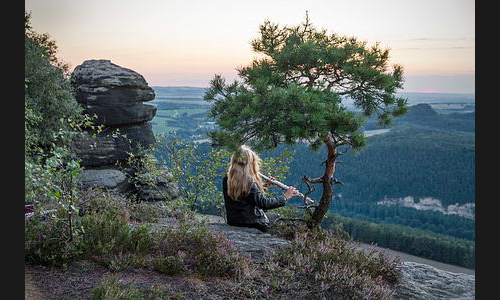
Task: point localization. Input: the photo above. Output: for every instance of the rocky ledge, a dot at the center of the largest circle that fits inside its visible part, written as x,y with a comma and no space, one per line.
420,281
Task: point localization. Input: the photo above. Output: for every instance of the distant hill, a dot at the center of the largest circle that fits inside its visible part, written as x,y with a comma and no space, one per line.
423,115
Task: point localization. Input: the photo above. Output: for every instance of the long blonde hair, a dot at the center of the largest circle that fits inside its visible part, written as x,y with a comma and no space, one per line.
243,171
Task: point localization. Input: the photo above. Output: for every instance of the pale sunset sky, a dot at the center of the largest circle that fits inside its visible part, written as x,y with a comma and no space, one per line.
186,42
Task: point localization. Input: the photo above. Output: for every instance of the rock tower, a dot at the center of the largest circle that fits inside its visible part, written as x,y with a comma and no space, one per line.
116,96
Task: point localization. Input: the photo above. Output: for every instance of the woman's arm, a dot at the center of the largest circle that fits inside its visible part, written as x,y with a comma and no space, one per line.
257,198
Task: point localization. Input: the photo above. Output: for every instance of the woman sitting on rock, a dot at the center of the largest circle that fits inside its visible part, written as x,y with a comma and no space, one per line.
244,195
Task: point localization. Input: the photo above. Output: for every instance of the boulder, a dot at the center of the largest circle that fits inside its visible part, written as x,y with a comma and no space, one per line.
250,242
110,179
116,115
421,281
103,73
156,187
168,191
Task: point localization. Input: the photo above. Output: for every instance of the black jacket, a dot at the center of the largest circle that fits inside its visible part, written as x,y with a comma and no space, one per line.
249,210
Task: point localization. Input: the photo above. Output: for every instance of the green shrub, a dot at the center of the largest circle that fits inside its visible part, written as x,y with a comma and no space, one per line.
104,232
146,212
170,265
110,289
106,235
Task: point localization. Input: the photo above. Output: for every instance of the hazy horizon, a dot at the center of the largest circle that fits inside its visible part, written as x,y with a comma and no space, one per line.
401,92
185,43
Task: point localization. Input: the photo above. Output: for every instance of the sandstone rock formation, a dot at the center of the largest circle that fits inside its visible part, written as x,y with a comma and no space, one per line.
115,95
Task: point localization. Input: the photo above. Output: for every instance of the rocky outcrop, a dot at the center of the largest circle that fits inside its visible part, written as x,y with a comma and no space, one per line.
115,96
107,178
162,186
250,241
100,82
124,114
421,281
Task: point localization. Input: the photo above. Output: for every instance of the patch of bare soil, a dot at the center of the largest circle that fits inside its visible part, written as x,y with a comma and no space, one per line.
76,282
81,278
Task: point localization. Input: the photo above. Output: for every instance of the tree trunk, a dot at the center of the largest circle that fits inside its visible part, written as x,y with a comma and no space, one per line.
327,195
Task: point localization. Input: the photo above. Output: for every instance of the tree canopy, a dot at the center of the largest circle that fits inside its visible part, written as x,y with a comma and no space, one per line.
294,90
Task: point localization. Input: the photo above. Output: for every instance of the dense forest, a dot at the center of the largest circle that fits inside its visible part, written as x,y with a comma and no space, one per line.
434,221
415,158
409,240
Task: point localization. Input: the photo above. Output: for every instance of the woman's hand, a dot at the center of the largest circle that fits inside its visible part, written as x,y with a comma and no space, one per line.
267,183
291,192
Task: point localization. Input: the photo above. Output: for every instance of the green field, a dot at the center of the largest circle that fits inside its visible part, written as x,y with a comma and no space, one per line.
161,126
178,112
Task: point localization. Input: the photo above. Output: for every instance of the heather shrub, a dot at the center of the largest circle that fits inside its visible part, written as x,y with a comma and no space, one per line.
170,265
320,265
102,232
199,250
110,289
146,212
47,239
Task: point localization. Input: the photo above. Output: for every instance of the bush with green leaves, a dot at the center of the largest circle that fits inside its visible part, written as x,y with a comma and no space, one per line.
195,172
48,92
52,120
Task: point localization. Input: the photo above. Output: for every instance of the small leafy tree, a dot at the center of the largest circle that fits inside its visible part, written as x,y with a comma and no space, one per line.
294,92
195,171
53,118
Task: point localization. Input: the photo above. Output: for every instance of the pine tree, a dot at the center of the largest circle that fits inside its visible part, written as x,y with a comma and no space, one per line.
294,92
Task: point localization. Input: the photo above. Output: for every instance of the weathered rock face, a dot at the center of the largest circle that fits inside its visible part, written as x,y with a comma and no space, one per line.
115,94
115,115
162,187
101,77
112,95
113,145
421,281
250,241
108,178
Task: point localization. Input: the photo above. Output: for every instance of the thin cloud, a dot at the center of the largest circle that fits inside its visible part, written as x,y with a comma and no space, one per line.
434,48
427,39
